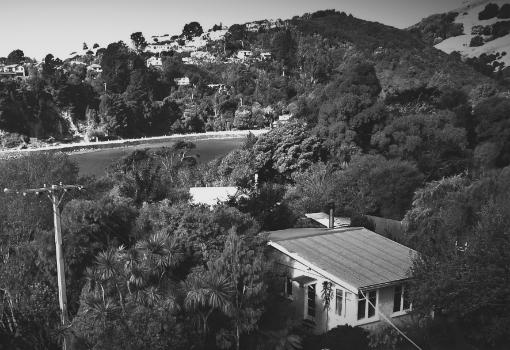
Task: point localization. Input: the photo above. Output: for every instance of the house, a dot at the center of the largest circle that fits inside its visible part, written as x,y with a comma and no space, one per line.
219,87
244,54
212,195
184,81
12,71
95,68
366,274
158,48
154,62
265,56
282,119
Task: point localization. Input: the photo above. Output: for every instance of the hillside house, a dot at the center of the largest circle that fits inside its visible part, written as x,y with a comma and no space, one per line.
217,87
154,62
158,48
12,71
282,119
265,56
184,81
211,196
95,68
366,272
244,54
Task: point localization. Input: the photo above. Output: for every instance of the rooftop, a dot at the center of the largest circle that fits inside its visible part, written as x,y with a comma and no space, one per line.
323,219
211,195
355,255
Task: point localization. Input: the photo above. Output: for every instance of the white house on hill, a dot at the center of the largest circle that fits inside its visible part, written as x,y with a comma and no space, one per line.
182,81
154,62
12,71
366,272
244,54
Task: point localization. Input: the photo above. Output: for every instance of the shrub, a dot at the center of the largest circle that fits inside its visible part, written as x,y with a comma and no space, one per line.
339,338
500,29
490,11
481,30
504,11
476,41
12,140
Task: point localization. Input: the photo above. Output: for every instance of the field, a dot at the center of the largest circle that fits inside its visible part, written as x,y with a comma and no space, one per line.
95,162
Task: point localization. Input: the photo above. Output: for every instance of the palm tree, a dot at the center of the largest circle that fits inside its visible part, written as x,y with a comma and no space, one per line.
160,252
108,268
205,292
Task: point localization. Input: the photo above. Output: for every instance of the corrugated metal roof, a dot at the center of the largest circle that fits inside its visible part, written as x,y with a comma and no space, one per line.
355,255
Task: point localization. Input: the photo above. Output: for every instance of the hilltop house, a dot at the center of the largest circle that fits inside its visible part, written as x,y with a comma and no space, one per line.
265,55
366,274
154,62
95,68
158,48
12,71
244,54
183,81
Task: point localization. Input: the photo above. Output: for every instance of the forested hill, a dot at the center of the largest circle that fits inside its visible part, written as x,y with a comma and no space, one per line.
296,67
402,60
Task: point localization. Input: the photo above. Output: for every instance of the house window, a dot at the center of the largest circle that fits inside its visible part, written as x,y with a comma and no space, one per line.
366,306
288,286
339,301
311,300
401,299
348,297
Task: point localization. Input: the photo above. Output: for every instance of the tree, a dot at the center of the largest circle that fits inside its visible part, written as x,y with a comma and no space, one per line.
205,292
115,65
460,226
85,47
373,185
96,45
28,287
284,48
493,126
431,140
191,30
138,41
243,262
15,57
490,11
285,150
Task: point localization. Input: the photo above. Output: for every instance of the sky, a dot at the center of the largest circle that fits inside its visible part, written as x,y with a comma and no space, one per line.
39,27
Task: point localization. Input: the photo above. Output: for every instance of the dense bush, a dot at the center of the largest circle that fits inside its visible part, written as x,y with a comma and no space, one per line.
490,11
504,11
476,41
339,338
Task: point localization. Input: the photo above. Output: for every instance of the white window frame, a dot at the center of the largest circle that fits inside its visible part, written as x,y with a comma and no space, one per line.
343,302
402,311
305,286
367,319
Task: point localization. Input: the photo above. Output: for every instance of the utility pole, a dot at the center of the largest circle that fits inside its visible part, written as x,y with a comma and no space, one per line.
56,194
